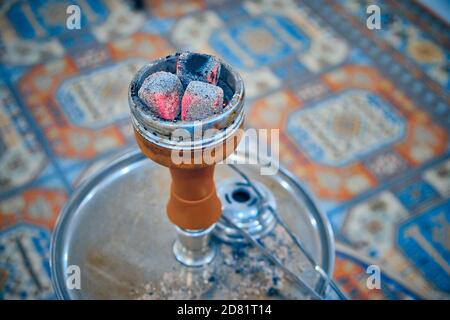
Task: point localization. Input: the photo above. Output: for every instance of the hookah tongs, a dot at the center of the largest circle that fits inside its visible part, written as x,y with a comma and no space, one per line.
262,205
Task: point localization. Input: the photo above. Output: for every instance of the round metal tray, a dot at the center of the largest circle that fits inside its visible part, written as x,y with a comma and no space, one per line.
115,229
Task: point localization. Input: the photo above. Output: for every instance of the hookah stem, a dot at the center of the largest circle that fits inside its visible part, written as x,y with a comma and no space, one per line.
296,240
272,258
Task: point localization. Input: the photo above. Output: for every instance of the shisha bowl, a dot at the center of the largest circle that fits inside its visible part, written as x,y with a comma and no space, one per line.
193,204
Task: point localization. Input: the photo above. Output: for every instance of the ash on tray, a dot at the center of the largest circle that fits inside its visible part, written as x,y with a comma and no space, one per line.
238,272
194,90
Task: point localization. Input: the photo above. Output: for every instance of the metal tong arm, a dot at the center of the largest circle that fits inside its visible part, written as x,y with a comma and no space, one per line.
329,281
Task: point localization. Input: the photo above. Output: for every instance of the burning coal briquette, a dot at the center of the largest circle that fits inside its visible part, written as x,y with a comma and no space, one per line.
197,67
201,100
162,92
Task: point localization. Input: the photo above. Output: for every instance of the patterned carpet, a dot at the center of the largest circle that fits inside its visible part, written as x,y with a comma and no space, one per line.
364,118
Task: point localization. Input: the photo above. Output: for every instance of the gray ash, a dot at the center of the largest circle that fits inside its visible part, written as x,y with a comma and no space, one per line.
194,92
162,92
197,67
201,100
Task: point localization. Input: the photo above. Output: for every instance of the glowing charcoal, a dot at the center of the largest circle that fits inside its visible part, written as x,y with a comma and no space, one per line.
162,92
197,67
201,100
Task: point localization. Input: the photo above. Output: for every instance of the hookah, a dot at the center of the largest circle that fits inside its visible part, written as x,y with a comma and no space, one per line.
230,233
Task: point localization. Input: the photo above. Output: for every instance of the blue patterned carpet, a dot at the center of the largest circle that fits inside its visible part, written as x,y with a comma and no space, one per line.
364,118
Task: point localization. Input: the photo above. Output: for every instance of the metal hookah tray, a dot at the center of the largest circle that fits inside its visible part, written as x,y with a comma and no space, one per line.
115,230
